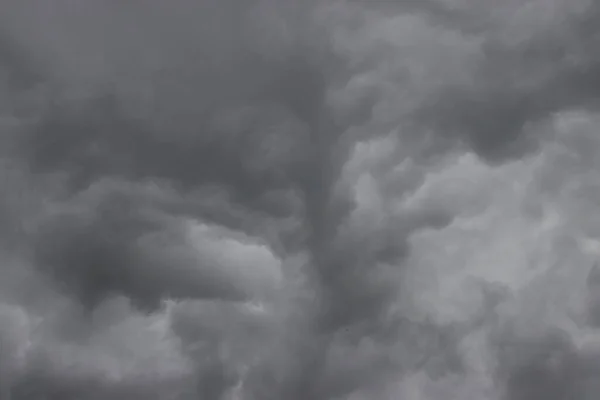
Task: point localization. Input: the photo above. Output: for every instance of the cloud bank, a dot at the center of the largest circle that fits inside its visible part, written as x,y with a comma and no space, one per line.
317,200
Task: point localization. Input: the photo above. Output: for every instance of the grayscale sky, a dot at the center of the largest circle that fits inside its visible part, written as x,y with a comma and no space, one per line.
299,199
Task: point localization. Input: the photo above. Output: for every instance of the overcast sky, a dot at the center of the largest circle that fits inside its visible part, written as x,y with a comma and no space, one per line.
299,200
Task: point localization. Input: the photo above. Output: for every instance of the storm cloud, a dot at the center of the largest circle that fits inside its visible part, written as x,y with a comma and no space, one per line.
299,199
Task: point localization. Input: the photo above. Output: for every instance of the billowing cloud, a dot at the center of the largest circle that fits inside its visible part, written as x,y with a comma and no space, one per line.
298,200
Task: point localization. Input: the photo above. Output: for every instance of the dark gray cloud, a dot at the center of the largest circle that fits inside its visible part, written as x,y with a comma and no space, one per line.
114,239
540,367
520,83
246,131
235,192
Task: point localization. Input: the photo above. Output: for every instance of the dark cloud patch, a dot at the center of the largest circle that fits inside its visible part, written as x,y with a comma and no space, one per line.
494,125
540,366
226,109
104,142
44,382
518,85
223,117
93,259
109,242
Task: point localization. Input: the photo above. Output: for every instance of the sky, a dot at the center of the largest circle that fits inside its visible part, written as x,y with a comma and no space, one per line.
300,200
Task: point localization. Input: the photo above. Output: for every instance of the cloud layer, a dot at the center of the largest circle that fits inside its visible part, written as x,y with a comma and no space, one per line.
299,200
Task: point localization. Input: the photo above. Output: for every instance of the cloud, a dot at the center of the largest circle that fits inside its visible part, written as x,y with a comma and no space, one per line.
495,83
107,242
127,356
300,200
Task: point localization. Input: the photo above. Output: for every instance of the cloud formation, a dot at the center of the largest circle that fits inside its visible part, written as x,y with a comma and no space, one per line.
298,200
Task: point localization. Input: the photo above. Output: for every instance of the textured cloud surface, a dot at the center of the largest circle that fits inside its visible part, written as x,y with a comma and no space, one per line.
303,200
